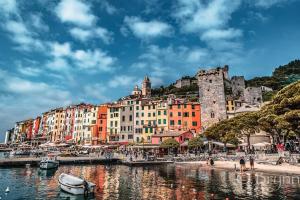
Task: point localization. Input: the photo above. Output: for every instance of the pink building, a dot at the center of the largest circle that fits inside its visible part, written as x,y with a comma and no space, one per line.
179,136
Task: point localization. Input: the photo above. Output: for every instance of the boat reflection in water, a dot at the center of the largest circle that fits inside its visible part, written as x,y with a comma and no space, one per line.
155,182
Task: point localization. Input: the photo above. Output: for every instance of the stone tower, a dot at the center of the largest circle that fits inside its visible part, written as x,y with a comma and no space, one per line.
212,95
238,87
146,87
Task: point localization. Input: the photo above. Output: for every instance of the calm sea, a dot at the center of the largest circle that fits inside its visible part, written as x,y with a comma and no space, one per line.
171,181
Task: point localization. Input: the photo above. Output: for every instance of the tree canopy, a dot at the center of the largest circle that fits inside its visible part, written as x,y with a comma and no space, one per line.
195,142
169,143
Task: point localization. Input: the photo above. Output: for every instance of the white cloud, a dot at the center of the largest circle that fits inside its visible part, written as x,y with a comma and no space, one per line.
109,8
29,71
59,50
8,7
20,34
37,22
219,34
122,81
146,30
96,91
58,64
76,12
268,3
197,55
93,60
87,34
195,16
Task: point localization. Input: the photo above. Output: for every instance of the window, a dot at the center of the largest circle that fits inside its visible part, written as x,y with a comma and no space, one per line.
146,130
151,130
123,109
130,117
165,121
149,114
171,114
123,137
100,128
178,106
142,114
193,114
185,114
153,114
130,108
137,123
148,138
158,112
179,122
165,112
170,107
172,122
185,106
111,123
130,137
137,114
149,107
142,122
194,123
137,107
159,121
210,81
123,118
116,123
212,115
142,107
179,114
153,107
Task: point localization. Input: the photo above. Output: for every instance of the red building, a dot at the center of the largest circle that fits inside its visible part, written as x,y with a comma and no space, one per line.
185,116
179,136
100,130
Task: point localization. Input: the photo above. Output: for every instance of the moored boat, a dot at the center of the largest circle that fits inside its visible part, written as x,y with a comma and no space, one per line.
75,185
49,163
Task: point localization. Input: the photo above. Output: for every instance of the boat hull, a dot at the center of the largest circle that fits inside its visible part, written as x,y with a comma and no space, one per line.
48,165
76,189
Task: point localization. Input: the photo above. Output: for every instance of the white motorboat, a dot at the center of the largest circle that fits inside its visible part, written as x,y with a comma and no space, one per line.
75,185
49,163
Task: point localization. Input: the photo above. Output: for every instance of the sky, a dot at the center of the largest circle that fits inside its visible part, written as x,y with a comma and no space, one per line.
59,52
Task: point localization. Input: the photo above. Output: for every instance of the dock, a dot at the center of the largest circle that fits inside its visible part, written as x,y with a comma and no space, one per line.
22,162
146,163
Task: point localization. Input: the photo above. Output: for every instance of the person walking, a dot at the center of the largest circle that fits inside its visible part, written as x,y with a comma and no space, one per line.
242,164
251,159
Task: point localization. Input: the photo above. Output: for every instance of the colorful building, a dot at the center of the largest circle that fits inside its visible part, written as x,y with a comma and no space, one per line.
101,134
162,116
179,136
113,122
184,116
148,120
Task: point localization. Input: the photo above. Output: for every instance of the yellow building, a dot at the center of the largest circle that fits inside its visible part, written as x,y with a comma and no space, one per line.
162,117
113,122
148,121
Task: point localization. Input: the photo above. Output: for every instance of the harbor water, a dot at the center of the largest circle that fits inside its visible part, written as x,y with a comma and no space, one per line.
156,182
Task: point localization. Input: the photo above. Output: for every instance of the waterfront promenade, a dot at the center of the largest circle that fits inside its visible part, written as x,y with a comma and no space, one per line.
21,162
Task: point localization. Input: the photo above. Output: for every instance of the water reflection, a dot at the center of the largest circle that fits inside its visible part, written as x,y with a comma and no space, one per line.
160,182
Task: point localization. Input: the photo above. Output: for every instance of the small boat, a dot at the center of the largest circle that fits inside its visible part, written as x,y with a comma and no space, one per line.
49,163
75,185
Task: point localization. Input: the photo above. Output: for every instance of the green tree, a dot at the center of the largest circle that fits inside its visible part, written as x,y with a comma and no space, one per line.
169,143
195,143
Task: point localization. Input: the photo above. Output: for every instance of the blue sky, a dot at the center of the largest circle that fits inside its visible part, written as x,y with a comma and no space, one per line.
58,52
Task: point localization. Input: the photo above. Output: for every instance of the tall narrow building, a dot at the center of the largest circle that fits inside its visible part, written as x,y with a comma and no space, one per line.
146,87
213,86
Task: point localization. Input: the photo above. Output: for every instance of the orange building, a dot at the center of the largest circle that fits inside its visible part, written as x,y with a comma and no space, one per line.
100,132
184,116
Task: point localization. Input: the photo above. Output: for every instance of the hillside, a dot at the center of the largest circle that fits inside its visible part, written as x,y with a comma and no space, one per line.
282,76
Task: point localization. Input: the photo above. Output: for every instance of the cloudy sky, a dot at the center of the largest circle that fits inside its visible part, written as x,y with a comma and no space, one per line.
58,52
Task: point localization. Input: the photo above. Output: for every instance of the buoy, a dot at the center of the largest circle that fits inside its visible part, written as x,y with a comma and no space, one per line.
7,190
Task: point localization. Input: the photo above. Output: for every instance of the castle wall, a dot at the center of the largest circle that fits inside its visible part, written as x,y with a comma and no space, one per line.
253,95
238,87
